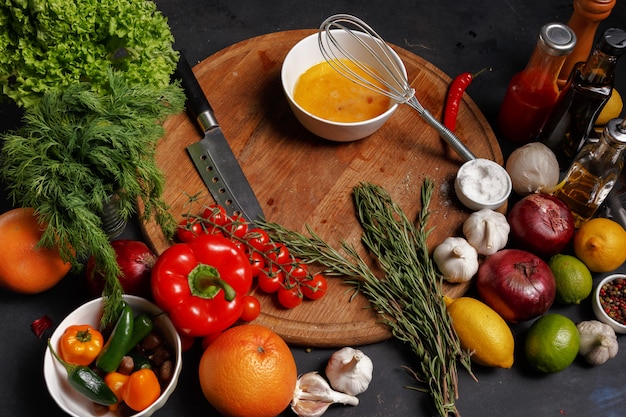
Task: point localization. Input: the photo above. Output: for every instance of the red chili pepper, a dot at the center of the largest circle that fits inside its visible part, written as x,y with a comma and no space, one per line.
201,284
455,95
40,325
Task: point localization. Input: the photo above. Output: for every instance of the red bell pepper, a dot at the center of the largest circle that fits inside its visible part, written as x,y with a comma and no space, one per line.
200,284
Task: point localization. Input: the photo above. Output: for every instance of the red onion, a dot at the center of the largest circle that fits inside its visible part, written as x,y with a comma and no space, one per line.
541,224
517,284
135,260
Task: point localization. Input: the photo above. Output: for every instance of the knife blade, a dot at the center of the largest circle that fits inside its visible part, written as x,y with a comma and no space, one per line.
212,156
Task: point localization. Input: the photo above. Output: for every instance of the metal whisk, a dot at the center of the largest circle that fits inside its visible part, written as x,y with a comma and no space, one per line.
365,42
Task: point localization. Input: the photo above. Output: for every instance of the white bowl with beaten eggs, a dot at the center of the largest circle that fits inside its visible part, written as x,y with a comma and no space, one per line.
305,55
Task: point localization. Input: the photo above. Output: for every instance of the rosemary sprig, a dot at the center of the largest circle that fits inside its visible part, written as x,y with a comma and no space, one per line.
75,149
409,297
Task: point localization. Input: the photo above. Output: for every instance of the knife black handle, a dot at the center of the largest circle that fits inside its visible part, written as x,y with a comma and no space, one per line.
197,102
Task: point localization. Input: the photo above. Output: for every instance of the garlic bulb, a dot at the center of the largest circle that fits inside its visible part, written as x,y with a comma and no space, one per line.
456,259
487,231
313,396
532,168
598,341
349,370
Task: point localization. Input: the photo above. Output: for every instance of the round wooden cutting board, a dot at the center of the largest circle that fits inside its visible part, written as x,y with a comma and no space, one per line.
301,179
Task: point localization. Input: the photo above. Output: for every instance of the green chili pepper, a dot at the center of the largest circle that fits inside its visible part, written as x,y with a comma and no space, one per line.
142,327
114,349
86,381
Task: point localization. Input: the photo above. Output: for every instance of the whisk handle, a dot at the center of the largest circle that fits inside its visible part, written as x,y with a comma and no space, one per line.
448,136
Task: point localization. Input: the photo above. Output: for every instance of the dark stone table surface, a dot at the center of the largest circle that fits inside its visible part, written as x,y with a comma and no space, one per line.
454,35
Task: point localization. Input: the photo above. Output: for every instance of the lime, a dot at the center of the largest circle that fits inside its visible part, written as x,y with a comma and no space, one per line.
573,279
552,343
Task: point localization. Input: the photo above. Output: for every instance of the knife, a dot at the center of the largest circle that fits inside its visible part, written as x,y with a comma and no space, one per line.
212,156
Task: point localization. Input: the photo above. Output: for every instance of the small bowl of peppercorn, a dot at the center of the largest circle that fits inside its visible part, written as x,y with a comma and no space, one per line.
125,370
609,302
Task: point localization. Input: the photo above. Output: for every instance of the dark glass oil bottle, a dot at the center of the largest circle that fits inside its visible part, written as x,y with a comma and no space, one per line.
583,97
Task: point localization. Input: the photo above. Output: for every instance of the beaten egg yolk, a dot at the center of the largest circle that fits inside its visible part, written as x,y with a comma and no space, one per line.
325,93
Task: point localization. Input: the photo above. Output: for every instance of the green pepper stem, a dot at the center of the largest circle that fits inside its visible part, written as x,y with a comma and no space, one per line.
83,336
205,282
69,368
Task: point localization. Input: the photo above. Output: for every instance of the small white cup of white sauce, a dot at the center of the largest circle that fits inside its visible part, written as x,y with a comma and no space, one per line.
482,183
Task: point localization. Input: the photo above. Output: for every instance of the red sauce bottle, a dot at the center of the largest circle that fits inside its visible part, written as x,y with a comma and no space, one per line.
533,92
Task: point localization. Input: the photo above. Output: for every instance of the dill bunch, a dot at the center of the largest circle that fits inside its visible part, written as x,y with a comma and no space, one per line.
78,147
409,297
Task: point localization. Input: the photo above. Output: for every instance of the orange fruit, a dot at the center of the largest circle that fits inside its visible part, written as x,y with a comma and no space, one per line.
601,244
24,267
248,371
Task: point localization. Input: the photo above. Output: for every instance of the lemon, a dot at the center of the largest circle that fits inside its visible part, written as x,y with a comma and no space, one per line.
573,279
552,343
601,244
611,109
482,331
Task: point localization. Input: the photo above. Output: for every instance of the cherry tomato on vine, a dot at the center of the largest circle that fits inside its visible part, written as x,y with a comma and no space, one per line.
189,229
237,226
297,271
216,214
314,288
290,297
258,263
251,308
258,239
278,253
240,245
271,279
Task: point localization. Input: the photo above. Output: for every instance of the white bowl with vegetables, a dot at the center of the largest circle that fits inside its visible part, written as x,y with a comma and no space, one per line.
77,404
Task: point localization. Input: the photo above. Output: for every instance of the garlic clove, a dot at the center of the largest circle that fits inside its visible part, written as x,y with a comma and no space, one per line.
456,259
313,395
487,231
309,408
349,370
598,342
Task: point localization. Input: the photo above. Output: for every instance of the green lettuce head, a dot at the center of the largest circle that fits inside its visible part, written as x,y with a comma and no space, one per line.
48,45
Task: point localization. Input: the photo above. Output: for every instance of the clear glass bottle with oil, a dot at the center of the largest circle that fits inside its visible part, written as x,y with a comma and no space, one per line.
594,172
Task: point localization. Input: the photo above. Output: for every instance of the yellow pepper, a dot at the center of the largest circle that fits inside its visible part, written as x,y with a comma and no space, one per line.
116,382
141,389
80,344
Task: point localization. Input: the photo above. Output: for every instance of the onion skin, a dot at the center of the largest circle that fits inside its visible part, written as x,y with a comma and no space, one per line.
532,167
541,224
135,260
517,284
